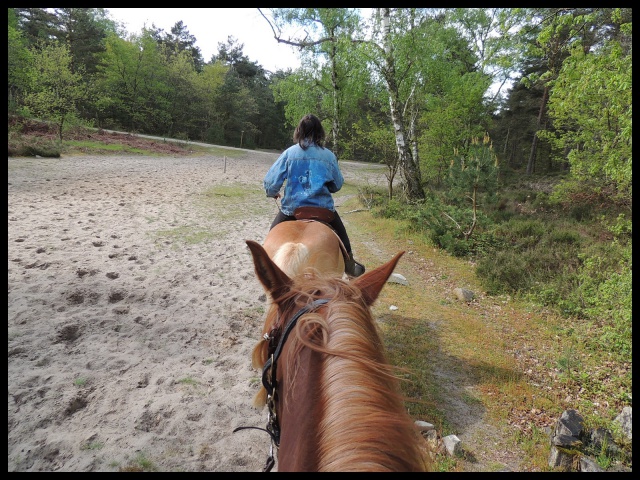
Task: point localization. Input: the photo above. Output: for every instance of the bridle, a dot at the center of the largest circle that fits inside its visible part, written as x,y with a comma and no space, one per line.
276,344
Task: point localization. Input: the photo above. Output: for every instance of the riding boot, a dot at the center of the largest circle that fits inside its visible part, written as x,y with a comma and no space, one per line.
353,268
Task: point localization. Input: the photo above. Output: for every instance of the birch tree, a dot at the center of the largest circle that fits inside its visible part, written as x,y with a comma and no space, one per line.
325,41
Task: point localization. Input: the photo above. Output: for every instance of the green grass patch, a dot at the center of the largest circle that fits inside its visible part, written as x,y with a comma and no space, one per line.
187,235
80,382
98,147
235,201
141,463
92,446
188,381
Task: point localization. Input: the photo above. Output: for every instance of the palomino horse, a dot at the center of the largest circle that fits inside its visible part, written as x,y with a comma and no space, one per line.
295,245
334,402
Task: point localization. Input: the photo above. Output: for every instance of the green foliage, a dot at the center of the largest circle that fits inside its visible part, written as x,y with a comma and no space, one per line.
473,175
505,272
605,293
449,120
591,108
92,446
55,88
80,382
48,150
18,66
390,209
141,463
440,224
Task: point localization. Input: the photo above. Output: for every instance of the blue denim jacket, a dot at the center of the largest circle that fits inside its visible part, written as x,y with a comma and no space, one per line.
312,175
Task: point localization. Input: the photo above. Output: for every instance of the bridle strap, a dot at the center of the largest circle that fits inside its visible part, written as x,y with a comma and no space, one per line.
269,369
269,381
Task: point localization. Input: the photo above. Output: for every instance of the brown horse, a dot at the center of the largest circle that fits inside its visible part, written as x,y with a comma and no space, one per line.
295,245
334,401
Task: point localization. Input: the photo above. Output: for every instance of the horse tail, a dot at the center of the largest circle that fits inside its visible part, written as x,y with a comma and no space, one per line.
291,257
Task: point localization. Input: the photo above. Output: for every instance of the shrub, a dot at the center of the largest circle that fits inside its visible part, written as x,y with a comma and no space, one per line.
506,272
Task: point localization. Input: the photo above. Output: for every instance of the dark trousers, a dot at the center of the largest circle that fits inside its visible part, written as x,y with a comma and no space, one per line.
336,224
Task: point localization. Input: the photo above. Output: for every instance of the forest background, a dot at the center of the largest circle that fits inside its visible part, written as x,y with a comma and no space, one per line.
531,184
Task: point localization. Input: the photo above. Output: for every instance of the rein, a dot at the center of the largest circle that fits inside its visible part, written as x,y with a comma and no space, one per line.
269,378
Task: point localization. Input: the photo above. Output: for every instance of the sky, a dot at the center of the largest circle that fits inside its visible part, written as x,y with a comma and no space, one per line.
211,26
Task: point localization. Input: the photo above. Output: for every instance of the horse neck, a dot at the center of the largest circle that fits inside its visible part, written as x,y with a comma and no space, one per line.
299,410
341,404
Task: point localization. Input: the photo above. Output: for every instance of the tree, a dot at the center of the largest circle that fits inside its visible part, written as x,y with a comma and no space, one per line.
471,176
37,25
375,139
494,36
258,122
328,34
236,106
18,65
389,32
55,89
591,109
453,115
178,40
182,95
208,85
132,90
84,30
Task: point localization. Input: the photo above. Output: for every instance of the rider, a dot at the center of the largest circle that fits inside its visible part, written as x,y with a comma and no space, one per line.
312,174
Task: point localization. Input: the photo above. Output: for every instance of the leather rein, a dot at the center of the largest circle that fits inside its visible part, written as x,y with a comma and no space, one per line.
269,377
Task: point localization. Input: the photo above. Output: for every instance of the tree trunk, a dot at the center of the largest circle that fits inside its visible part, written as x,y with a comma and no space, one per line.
335,125
408,165
534,143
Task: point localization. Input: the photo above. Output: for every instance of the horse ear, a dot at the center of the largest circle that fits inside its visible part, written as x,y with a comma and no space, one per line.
273,279
371,283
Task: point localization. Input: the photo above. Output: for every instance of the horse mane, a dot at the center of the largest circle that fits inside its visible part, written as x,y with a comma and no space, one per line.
357,384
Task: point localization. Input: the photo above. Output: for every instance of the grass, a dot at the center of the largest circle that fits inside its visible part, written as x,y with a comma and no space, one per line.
80,382
234,201
98,147
188,235
524,364
139,464
224,202
92,446
188,381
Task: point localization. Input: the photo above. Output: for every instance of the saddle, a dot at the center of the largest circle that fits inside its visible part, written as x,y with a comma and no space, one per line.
319,214
314,213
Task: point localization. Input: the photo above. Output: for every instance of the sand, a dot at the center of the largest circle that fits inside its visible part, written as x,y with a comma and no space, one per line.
132,311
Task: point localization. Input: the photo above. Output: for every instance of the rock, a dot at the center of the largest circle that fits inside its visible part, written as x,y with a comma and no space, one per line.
424,426
571,445
453,445
432,439
601,437
397,278
566,441
624,419
570,423
463,294
588,465
393,308
560,459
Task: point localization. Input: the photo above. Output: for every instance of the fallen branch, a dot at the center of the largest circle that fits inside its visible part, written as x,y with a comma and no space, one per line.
357,210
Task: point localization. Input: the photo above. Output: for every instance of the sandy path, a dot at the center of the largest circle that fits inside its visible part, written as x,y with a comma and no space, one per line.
124,344
132,312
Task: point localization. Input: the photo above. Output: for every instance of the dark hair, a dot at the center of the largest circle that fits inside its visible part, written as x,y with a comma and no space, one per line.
309,129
